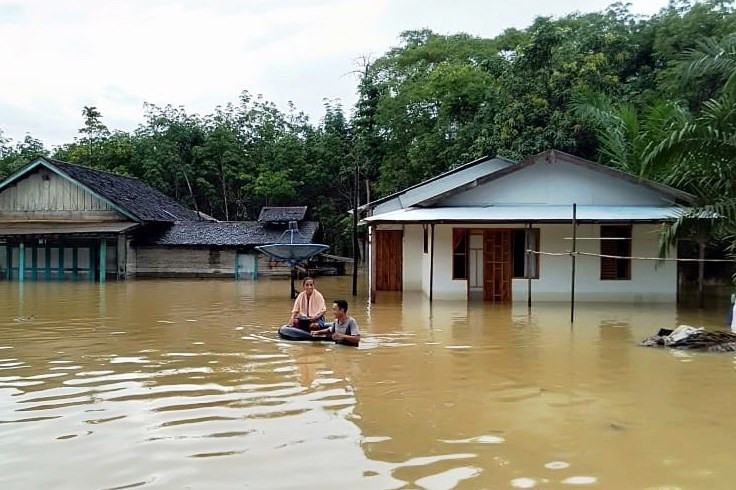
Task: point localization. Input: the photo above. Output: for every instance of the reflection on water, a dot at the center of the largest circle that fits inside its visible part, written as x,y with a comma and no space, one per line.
184,384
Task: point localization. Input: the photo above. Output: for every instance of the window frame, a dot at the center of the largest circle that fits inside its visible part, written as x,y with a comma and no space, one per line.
464,254
538,234
629,238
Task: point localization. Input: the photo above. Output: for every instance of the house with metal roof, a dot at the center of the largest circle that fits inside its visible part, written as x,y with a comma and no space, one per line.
64,221
501,231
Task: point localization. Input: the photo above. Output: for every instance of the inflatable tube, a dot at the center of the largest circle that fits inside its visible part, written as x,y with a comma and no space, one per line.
288,332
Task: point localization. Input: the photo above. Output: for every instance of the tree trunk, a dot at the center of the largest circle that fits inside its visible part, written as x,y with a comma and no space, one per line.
701,272
356,251
191,194
224,189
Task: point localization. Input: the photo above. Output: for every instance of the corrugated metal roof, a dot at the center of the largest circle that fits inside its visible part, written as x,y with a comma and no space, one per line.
529,213
445,183
59,228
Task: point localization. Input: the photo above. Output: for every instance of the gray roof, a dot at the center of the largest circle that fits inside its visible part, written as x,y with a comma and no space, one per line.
246,234
272,214
136,198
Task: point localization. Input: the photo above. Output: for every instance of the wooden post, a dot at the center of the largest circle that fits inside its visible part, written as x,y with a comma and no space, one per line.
237,266
34,262
528,267
255,267
574,250
75,262
103,259
431,264
91,262
60,268
8,261
372,262
292,266
21,261
48,262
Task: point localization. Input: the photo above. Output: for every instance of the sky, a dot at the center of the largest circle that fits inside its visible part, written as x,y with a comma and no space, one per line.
57,56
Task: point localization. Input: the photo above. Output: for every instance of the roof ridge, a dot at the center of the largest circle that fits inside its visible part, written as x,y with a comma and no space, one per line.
85,167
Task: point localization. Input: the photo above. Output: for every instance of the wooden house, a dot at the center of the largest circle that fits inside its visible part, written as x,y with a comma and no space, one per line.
499,231
63,221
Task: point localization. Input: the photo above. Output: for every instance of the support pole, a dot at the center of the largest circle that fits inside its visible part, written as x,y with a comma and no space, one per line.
21,261
356,251
103,259
34,263
292,266
60,266
236,273
574,249
431,264
48,262
372,262
91,262
8,262
528,267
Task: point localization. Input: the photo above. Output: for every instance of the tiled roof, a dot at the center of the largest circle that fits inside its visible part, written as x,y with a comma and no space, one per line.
229,233
271,214
128,193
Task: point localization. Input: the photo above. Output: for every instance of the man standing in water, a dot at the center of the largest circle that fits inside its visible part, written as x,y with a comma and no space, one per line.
344,329
309,304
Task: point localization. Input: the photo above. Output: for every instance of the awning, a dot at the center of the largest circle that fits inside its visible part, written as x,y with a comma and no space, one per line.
525,214
57,228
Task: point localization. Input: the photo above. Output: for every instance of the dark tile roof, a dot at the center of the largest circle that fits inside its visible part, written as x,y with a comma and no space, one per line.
270,214
227,233
134,196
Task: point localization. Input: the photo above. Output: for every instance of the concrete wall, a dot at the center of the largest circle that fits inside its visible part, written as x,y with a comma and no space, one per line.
43,195
558,184
651,281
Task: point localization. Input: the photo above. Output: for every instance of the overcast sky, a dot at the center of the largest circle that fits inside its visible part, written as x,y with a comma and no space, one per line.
57,56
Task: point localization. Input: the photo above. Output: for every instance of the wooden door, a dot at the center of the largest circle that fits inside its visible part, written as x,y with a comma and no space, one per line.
388,263
498,266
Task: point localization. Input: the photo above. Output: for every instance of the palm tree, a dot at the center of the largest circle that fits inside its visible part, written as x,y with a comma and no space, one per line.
627,137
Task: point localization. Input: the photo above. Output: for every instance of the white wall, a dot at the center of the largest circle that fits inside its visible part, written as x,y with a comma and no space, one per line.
651,281
558,184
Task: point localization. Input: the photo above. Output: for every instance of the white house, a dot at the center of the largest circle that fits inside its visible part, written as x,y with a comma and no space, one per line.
465,233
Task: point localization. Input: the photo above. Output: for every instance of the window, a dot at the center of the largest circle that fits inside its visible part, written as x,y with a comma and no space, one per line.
525,267
619,244
459,253
426,240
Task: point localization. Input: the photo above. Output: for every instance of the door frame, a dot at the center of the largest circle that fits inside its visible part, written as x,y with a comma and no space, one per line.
507,265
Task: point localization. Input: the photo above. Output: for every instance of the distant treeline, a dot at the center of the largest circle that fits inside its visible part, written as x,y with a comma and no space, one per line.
629,91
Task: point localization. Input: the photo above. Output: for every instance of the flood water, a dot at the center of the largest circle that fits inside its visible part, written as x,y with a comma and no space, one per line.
184,384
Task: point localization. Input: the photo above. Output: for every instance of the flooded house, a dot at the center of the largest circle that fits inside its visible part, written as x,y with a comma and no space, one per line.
63,221
501,231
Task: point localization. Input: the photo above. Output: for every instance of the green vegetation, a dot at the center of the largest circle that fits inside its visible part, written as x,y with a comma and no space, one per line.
654,96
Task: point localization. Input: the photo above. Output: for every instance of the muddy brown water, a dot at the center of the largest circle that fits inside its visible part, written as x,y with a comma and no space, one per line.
184,384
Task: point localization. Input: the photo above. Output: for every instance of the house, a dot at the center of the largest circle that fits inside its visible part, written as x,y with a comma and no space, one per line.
64,221
500,231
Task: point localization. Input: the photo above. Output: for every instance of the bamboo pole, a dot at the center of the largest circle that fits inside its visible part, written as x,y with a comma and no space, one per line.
528,267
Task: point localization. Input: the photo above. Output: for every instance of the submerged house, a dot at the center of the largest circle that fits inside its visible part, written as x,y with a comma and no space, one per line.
65,221
500,231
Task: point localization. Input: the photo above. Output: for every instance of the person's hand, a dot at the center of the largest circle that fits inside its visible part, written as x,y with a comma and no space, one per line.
337,336
314,333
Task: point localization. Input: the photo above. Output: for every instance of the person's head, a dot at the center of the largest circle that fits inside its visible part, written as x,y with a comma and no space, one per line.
308,285
339,308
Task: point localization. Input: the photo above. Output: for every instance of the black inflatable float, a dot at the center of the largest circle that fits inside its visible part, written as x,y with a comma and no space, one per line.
288,332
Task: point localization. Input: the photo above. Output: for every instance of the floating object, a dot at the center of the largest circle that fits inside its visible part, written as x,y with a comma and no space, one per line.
288,332
688,338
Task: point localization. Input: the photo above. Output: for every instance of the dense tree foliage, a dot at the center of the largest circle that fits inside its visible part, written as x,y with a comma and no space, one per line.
651,95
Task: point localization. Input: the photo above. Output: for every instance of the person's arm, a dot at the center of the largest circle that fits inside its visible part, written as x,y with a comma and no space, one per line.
321,307
320,333
295,309
352,340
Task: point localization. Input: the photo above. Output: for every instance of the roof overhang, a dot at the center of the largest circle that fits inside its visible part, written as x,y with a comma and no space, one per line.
529,214
60,228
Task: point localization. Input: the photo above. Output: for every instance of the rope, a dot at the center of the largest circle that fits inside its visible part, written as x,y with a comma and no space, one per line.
588,254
